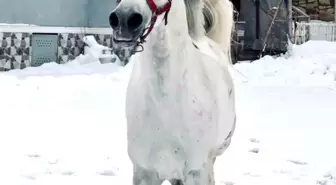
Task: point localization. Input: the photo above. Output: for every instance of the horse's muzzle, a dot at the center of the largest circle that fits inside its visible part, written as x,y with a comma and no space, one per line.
127,28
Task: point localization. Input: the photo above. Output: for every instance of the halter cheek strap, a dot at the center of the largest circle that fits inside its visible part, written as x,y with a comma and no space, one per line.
156,12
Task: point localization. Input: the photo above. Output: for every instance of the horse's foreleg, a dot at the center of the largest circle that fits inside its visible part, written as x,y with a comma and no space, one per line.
145,177
204,176
176,182
211,164
197,177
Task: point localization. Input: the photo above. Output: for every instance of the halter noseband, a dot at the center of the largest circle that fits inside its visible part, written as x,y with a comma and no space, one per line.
156,11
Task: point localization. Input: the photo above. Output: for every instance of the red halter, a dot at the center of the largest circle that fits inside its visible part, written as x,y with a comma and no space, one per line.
156,12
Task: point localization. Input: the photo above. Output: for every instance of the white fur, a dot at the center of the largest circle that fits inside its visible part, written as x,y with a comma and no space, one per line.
180,105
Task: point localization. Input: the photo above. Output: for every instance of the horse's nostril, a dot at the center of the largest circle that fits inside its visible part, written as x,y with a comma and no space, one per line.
114,20
134,21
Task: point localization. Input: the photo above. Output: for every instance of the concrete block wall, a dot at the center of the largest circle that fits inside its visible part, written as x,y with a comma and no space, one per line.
16,48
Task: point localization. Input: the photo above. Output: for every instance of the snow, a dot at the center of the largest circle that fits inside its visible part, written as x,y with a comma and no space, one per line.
65,124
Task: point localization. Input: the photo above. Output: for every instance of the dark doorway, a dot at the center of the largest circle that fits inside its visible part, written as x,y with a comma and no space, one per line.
256,32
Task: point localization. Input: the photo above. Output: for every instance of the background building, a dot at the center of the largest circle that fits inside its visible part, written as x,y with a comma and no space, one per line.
52,30
263,27
317,9
74,13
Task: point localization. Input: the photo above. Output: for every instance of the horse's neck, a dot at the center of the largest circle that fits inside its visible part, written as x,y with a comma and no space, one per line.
165,51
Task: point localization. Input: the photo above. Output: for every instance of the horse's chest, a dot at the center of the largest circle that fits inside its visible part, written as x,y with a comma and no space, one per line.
162,132
175,112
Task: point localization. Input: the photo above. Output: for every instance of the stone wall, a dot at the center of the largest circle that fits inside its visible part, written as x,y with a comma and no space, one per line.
317,9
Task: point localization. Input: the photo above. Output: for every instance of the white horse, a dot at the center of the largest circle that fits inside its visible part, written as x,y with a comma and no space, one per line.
180,105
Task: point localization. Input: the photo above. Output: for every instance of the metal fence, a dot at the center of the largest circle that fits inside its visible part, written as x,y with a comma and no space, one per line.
314,30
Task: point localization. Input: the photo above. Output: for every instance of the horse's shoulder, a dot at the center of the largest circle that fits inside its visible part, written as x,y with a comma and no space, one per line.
214,62
209,48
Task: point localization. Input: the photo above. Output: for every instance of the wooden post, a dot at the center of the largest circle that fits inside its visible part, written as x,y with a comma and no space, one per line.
290,18
334,10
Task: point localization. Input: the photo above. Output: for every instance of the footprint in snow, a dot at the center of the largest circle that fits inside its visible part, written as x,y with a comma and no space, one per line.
34,155
328,179
53,162
228,183
68,173
30,177
281,171
328,175
251,174
107,173
254,150
254,140
298,162
326,182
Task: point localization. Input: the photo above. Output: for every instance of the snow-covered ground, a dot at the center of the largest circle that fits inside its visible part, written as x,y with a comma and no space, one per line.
65,124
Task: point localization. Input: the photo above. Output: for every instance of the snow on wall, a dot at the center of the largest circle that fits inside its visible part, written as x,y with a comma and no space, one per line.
71,45
16,46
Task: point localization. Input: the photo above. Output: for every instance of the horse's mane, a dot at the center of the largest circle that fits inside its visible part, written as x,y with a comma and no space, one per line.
195,18
213,18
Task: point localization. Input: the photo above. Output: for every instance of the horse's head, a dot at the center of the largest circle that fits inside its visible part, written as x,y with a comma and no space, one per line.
132,21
